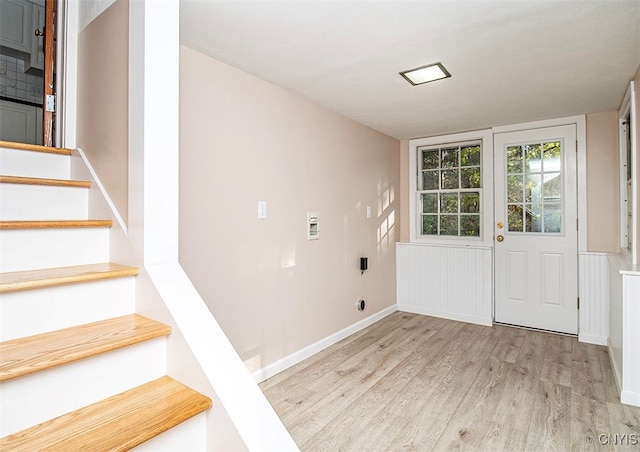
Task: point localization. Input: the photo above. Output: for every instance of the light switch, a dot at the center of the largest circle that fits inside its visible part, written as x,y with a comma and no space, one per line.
262,210
368,211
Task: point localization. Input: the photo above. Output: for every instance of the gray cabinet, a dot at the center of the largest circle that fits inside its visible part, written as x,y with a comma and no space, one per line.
18,21
36,51
15,25
19,122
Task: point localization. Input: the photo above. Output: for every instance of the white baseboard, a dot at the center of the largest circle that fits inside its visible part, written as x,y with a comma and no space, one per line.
612,360
445,315
591,339
294,358
630,398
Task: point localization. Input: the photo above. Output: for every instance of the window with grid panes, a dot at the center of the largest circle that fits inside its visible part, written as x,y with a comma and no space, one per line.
449,189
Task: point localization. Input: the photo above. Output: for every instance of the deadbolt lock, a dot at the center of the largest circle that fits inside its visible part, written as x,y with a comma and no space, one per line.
500,225
500,238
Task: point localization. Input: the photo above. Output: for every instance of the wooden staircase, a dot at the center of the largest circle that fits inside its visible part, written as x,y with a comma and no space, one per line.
79,369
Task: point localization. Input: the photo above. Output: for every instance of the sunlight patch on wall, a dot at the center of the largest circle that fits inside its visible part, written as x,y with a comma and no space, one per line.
288,256
386,213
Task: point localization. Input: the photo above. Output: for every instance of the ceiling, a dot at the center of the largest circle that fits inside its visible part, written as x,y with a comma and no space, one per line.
511,61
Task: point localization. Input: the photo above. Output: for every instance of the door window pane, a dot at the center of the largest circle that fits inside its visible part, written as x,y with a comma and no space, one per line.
514,218
552,188
552,218
532,159
533,218
514,159
514,189
534,187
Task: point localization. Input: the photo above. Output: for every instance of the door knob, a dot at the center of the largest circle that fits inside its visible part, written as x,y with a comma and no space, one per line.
38,32
500,238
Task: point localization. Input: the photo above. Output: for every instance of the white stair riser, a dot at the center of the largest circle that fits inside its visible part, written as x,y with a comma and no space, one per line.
29,312
191,435
31,249
34,164
40,202
35,398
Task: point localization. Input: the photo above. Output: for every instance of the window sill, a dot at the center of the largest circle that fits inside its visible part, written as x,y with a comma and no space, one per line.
479,244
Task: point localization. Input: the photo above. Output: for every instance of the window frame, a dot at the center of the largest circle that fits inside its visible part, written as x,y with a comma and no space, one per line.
485,138
628,110
438,192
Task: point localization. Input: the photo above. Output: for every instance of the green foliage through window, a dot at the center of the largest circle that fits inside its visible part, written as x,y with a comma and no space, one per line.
534,187
449,185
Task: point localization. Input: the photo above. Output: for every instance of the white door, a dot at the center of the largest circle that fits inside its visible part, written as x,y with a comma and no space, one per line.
536,238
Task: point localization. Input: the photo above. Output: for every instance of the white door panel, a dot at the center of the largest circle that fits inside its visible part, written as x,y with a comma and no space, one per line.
535,226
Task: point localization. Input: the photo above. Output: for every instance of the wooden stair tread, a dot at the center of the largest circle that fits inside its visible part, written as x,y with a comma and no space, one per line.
42,351
33,279
34,148
41,181
52,224
118,423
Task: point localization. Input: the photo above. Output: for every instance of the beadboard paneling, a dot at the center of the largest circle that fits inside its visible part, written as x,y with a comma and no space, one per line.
445,281
594,298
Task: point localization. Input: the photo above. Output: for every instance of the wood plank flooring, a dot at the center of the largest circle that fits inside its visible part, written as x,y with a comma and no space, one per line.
412,382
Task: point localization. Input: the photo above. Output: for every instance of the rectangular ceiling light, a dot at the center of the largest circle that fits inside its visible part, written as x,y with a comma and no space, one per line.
424,74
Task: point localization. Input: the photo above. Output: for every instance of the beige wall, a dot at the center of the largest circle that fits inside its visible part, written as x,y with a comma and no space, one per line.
603,182
103,49
243,140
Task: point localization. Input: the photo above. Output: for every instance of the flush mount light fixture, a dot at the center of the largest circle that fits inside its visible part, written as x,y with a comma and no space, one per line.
424,74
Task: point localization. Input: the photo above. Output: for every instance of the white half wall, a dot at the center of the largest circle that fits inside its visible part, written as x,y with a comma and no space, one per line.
446,281
593,288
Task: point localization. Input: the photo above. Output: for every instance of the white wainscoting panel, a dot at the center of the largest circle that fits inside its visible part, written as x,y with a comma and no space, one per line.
594,298
445,281
630,393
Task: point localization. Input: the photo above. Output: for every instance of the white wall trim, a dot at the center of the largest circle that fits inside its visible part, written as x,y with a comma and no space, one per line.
625,109
615,366
486,239
301,355
630,398
590,339
67,69
98,183
414,309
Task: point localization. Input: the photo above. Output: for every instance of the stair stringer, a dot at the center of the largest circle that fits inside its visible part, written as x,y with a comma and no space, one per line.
198,352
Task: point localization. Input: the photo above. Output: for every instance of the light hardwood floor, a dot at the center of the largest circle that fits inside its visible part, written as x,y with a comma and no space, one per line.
412,382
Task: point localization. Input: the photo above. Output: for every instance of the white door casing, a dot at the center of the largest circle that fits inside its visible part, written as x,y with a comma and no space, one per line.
536,205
